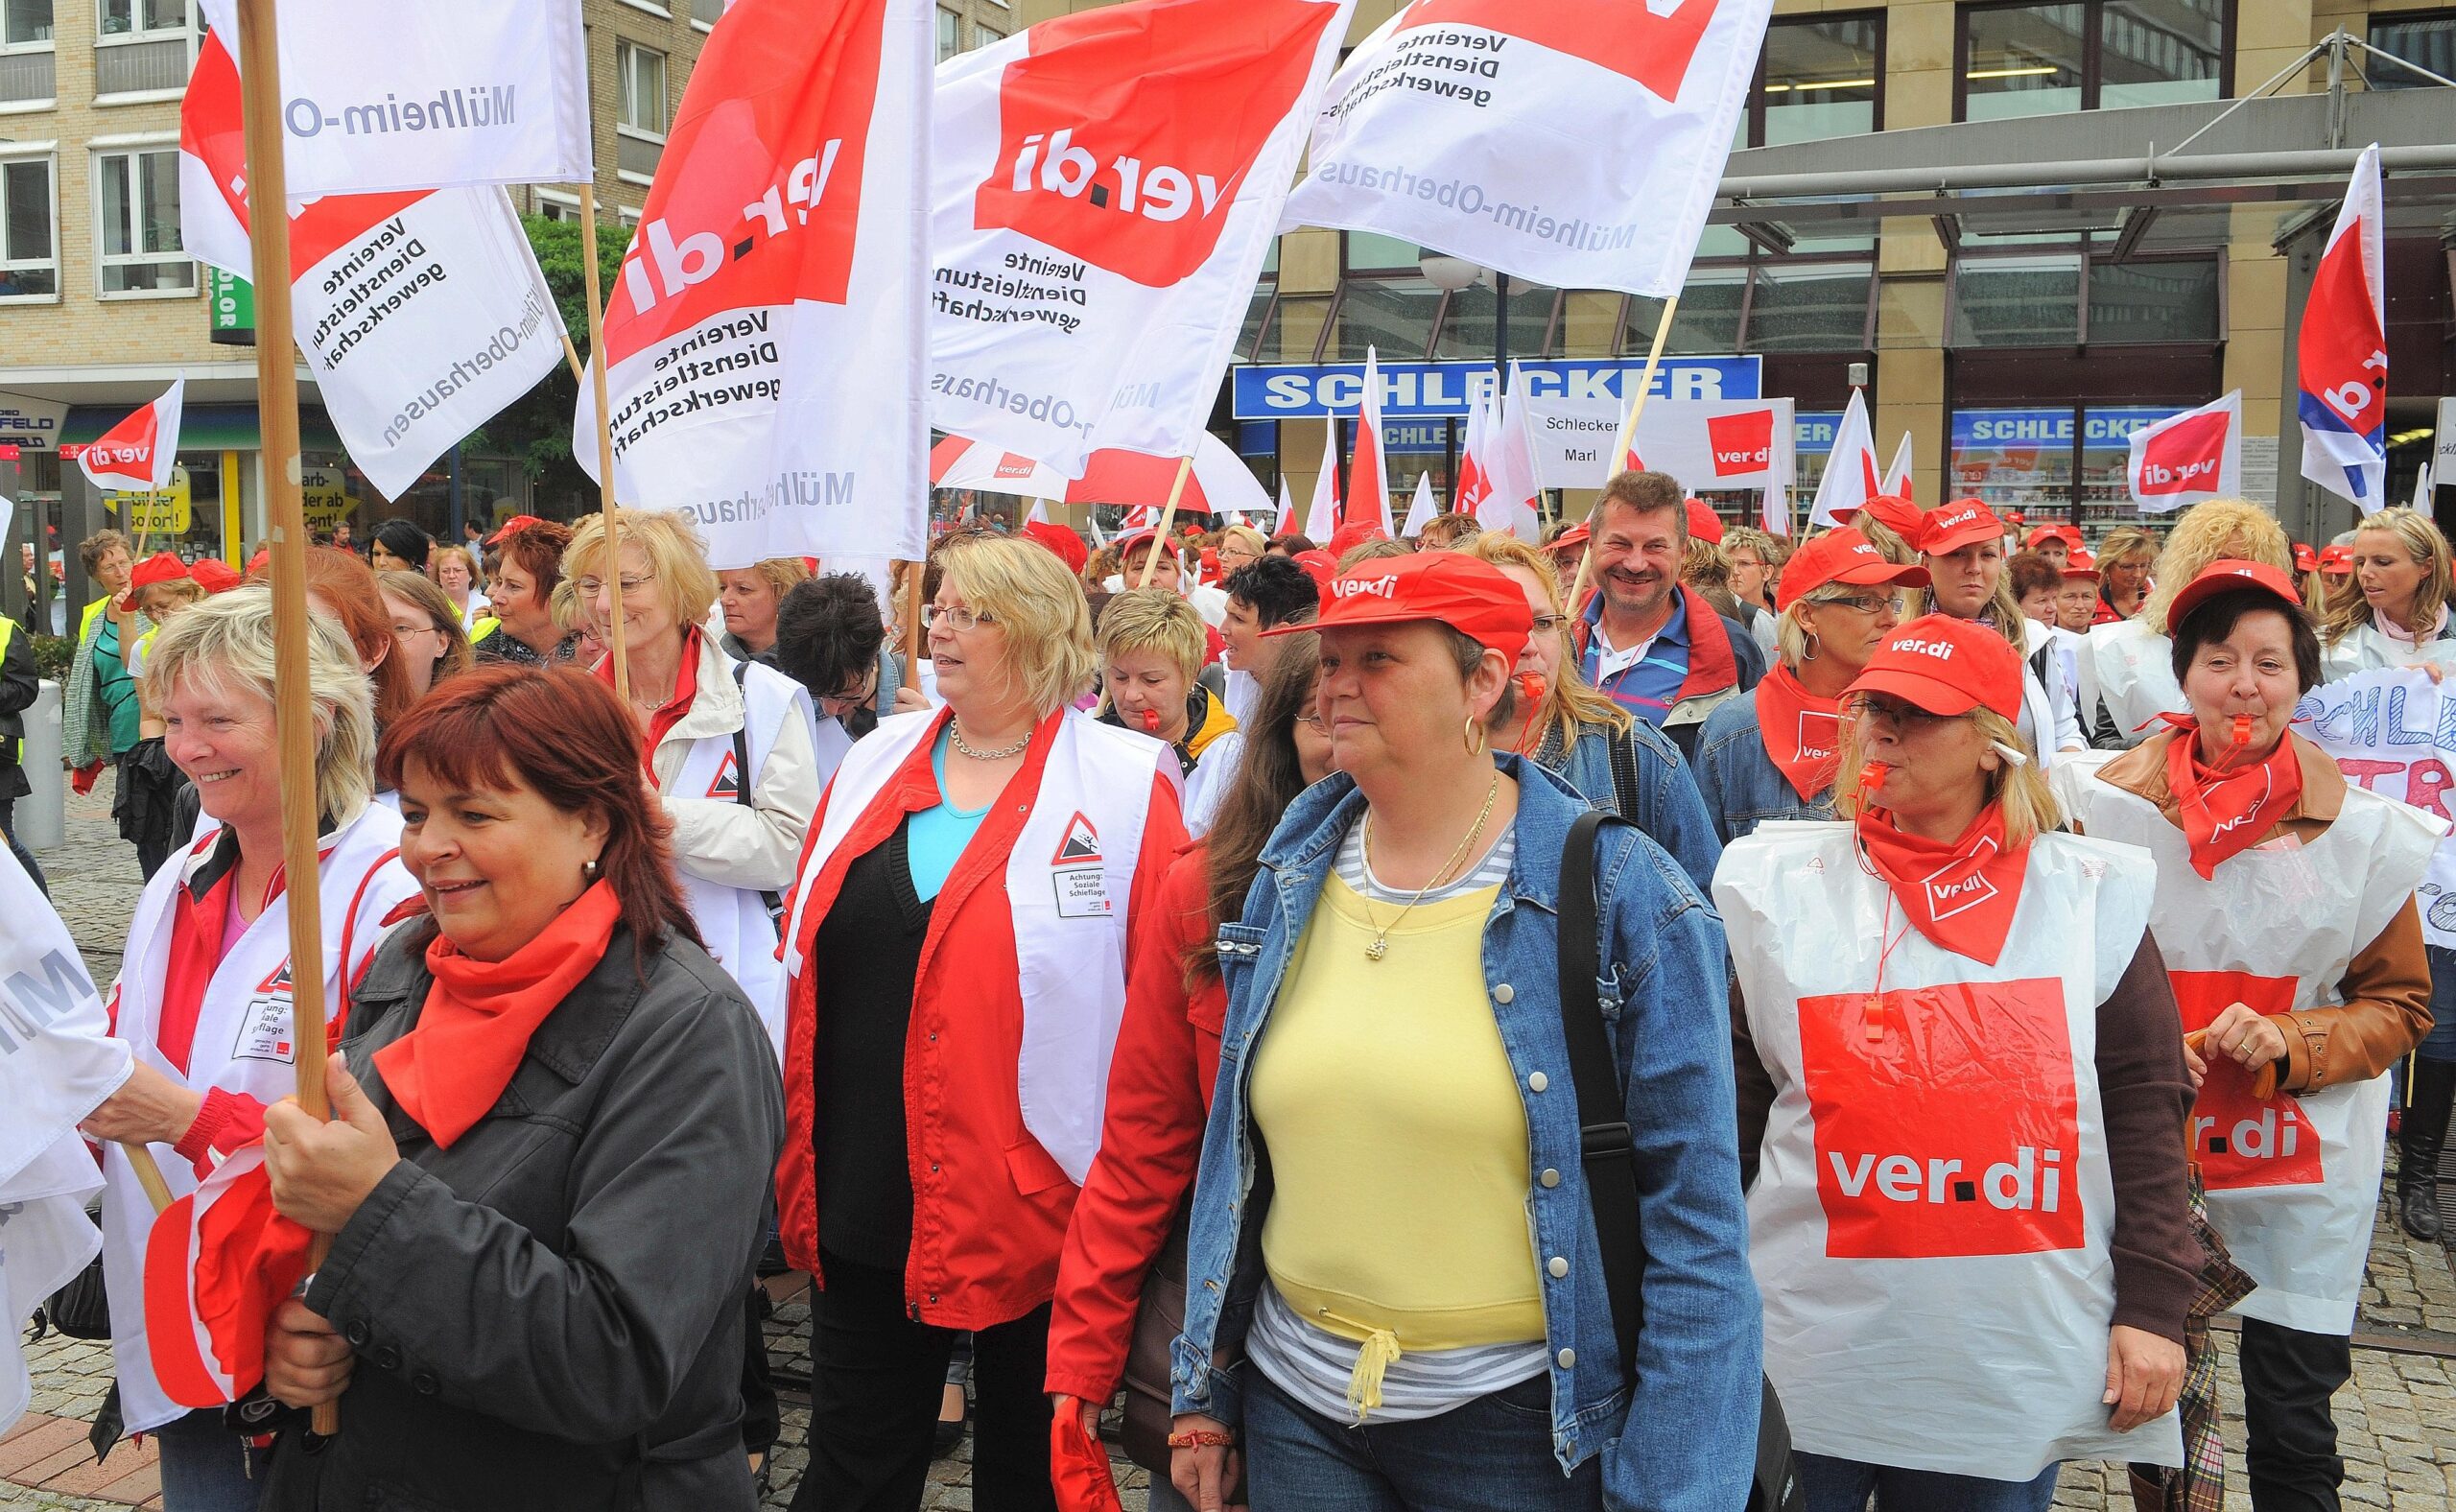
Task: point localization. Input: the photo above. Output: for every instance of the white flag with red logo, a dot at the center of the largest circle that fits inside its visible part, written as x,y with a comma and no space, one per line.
1850,478
1322,513
137,454
1106,186
1279,516
2189,458
1467,491
1421,508
1368,473
2342,359
1570,141
383,98
422,313
1897,476
765,337
1514,496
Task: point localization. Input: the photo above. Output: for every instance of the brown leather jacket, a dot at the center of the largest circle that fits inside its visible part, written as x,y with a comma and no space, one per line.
2386,988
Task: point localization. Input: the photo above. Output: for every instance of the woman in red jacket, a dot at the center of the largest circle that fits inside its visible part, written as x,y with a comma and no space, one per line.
1161,1077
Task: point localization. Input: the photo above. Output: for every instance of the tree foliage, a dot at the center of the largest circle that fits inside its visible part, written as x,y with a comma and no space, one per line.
536,430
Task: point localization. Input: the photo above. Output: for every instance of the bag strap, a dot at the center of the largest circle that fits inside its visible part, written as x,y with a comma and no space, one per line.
775,901
1605,1152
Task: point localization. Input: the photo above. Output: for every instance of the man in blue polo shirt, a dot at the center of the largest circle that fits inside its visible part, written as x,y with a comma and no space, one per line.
1662,653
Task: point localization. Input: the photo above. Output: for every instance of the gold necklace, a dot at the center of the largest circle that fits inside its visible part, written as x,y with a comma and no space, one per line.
1381,945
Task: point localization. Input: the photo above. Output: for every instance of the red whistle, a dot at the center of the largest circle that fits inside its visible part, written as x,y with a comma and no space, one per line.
1151,722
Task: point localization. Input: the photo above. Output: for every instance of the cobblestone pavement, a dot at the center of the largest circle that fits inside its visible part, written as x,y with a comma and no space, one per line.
2396,1419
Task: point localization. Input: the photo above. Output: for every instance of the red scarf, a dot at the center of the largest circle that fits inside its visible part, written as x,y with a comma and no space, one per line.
447,1071
2227,808
1960,896
1803,733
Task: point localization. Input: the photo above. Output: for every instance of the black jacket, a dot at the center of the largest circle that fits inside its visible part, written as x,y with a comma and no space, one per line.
548,1315
19,683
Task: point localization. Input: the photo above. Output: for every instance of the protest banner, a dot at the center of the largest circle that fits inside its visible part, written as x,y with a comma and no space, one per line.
783,232
138,454
1707,444
2189,458
1570,144
423,314
2394,732
1849,480
443,92
2341,360
1105,186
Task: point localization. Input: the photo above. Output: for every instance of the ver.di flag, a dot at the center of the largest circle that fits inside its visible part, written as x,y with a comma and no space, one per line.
1106,185
2189,458
1322,512
1514,493
138,454
1849,480
1467,490
1569,142
1421,508
423,314
764,336
1897,474
419,96
1368,475
2342,360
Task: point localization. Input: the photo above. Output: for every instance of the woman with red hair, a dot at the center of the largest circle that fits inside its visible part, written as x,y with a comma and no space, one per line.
554,1117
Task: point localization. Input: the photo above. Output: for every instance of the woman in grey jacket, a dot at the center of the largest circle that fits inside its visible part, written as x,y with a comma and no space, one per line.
547,1171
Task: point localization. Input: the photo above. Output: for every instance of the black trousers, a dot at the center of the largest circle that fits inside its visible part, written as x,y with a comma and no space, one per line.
2288,1376
876,1380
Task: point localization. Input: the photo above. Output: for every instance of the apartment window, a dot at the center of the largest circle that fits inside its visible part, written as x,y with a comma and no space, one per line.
706,13
2048,60
1819,77
554,206
119,18
143,50
29,230
949,34
2426,38
982,36
639,111
26,65
136,223
25,23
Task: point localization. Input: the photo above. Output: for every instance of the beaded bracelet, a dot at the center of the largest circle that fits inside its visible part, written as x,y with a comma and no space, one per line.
1201,1438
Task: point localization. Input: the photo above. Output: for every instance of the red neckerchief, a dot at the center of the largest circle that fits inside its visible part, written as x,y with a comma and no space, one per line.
2227,808
1803,733
479,1015
686,687
1960,896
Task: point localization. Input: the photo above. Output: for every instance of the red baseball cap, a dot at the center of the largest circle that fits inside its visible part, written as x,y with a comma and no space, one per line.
518,522
160,567
1896,514
1945,666
1570,540
2306,559
1320,566
2226,576
1067,546
1353,534
2080,564
1841,556
1132,539
2336,559
1950,527
215,575
1466,593
1703,522
2059,531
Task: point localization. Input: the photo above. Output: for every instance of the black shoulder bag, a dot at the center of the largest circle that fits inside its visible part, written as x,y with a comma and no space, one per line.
1610,1160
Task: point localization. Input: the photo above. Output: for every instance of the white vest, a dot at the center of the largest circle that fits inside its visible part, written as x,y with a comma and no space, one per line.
242,1044
2367,647
733,921
1067,880
1931,1228
2292,1181
2130,670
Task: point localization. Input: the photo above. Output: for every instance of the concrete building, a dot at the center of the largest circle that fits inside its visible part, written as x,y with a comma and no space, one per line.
99,310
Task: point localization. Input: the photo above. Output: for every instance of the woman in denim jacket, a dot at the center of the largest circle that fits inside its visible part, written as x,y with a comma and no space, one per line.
1394,1287
1771,754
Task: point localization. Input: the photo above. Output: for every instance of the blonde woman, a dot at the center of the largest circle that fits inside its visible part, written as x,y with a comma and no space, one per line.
1151,646
1962,546
749,596
1240,546
733,747
1951,1121
2126,671
456,572
1616,760
2124,560
2399,616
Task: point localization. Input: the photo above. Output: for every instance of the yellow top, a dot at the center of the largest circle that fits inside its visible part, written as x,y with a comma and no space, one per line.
1398,1144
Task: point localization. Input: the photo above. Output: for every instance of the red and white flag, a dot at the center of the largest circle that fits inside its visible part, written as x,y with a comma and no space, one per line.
1285,507
1513,502
1106,185
217,1264
1368,472
1897,476
1850,478
2342,360
136,454
1219,480
2189,458
765,337
1573,143
1322,513
1421,508
1467,491
421,313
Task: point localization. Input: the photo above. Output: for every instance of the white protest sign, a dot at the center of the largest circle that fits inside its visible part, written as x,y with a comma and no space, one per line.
2394,732
1707,444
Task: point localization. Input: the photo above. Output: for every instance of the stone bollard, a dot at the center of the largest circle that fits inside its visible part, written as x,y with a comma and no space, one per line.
42,815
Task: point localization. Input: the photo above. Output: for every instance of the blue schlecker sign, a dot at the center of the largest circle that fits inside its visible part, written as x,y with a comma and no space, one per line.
1297,390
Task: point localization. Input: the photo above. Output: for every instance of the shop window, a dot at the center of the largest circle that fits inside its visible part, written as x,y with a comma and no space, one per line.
1371,252
2053,462
1821,77
2050,59
137,223
2427,39
29,230
27,71
1470,327
640,111
2158,300
1292,329
2018,301
1394,317
1808,308
1706,323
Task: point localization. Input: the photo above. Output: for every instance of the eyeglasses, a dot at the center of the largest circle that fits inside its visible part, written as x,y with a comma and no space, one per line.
1550,624
1864,602
1314,723
402,632
591,588
1905,717
958,618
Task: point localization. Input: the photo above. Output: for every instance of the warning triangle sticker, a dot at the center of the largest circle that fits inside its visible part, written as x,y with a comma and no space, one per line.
279,981
1081,845
728,781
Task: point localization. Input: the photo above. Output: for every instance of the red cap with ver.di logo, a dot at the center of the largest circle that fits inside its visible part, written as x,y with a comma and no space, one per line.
2226,574
1950,527
1841,556
1945,666
1466,593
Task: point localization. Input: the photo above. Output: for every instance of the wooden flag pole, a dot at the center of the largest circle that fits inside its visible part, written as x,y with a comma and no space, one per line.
286,541
915,572
605,440
571,355
1620,444
1167,518
149,1174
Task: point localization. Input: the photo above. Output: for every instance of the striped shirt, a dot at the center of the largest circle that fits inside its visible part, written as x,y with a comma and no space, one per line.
1646,680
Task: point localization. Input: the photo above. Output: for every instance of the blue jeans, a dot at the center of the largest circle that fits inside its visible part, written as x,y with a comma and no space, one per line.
1491,1455
1844,1485
206,1467
2439,1044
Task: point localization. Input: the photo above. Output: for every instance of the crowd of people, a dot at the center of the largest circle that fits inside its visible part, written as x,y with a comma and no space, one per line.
1464,1023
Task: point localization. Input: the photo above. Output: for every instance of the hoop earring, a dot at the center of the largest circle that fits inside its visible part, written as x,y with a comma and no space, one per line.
1808,648
589,869
1476,745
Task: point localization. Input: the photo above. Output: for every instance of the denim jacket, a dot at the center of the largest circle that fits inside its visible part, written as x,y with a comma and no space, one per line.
1665,805
1683,1436
1739,783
